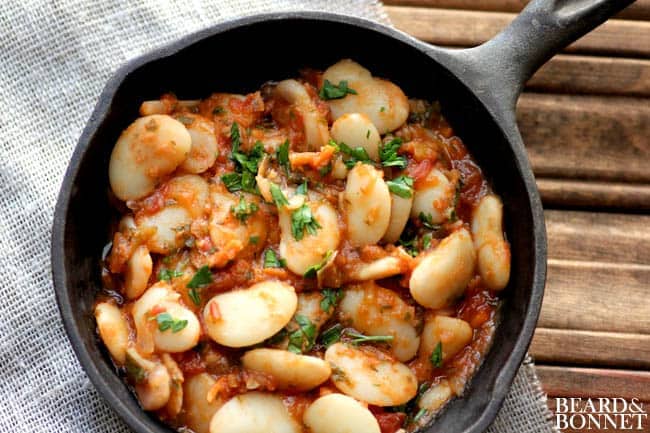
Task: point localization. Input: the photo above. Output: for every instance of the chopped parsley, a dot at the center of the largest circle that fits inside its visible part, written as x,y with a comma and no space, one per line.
331,335
278,197
201,278
313,269
218,110
165,321
331,297
388,154
303,220
302,188
254,240
360,338
271,260
324,171
358,154
422,412
453,216
246,164
436,355
408,240
243,209
401,186
426,241
168,274
303,338
331,91
282,155
133,371
426,220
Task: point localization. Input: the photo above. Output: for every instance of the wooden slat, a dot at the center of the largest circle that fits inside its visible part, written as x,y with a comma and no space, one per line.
568,346
469,28
594,194
597,296
639,10
593,75
594,382
599,237
588,137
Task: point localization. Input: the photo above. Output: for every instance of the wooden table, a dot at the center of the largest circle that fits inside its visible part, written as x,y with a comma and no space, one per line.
585,119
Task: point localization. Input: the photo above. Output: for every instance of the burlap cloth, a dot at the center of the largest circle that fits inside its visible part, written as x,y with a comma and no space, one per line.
55,57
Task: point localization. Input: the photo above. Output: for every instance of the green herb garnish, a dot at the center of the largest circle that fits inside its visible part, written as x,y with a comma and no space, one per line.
271,260
303,338
166,321
201,278
331,297
243,209
427,221
401,186
302,188
360,338
358,154
388,154
278,196
282,155
303,220
426,241
313,269
331,335
331,91
436,355
168,274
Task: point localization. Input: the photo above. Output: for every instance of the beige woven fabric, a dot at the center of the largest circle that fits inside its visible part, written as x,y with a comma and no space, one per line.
55,57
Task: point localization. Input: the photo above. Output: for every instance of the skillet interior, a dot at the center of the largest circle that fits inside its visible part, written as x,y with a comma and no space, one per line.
240,60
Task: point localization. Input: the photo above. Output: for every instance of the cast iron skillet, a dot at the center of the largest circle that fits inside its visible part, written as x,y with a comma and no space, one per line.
477,89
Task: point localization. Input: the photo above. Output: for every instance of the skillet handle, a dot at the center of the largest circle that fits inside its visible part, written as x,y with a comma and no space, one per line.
502,65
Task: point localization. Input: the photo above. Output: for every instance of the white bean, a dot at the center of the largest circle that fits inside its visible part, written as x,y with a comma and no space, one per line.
368,377
433,196
443,274
151,148
169,222
380,268
493,251
309,306
190,192
357,130
113,330
175,403
197,409
375,310
249,316
382,101
228,234
254,412
435,397
400,210
290,371
137,273
366,203
155,295
452,333
180,341
315,126
154,390
338,413
203,151
312,248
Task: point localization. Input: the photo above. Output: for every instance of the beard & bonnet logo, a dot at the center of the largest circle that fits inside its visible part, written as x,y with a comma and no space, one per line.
600,414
